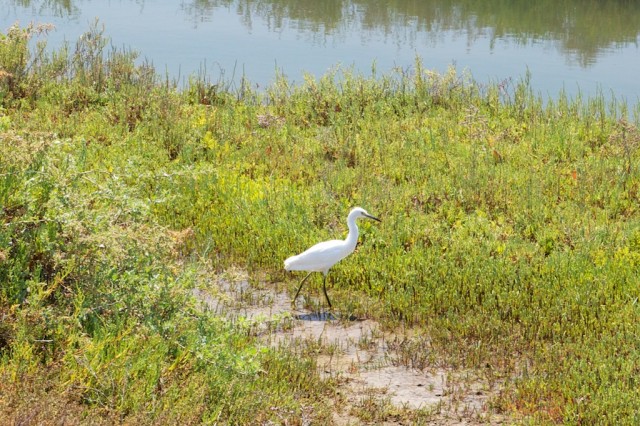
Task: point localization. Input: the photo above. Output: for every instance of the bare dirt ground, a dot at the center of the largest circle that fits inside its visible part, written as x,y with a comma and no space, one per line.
358,355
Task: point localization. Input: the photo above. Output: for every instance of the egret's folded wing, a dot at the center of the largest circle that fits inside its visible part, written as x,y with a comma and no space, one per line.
318,258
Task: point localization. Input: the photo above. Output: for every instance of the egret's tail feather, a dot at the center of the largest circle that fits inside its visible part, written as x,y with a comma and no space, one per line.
288,264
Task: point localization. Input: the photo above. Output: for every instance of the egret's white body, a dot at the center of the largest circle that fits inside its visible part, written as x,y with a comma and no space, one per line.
322,256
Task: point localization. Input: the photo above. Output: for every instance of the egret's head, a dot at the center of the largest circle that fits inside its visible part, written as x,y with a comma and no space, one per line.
358,212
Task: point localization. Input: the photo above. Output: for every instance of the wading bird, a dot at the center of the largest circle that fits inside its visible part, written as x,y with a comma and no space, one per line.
322,256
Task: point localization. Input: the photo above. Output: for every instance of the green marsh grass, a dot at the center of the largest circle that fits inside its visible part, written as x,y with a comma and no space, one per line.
510,241
98,321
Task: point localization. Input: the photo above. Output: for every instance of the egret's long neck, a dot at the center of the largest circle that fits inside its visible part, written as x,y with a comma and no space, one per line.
352,238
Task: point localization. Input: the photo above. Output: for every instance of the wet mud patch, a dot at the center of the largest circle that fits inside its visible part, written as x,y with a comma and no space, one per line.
373,375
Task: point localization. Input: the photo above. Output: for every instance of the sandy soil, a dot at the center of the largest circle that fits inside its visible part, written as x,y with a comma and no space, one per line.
357,353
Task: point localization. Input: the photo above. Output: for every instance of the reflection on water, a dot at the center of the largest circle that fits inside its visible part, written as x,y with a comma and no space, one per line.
490,37
62,8
582,28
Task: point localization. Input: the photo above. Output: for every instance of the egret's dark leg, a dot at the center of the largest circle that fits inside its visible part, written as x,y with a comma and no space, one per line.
300,288
324,288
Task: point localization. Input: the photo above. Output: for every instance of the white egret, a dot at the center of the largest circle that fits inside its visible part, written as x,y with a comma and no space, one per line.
322,256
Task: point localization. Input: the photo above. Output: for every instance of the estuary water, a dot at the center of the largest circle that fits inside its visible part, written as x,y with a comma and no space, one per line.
581,47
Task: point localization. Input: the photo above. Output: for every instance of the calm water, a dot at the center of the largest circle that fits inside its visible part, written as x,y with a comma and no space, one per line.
577,45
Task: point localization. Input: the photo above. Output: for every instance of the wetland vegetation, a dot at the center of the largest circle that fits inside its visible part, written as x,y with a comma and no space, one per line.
510,241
